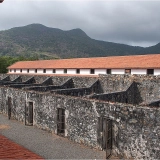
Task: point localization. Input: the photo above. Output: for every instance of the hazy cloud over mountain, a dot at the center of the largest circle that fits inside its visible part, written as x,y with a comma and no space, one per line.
129,22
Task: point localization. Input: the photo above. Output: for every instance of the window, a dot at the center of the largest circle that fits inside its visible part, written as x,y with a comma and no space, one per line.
108,71
78,71
54,71
14,70
27,70
127,71
65,70
44,70
150,71
10,70
35,70
21,70
92,71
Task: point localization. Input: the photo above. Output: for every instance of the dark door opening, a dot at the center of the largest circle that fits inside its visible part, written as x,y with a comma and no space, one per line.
126,100
108,138
29,114
61,122
105,135
9,107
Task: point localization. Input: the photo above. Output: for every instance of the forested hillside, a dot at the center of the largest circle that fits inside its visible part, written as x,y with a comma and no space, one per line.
48,43
6,61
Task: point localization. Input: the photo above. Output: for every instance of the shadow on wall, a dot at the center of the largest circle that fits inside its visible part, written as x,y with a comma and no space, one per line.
96,88
131,96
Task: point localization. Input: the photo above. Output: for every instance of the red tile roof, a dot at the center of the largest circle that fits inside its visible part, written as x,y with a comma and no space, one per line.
140,61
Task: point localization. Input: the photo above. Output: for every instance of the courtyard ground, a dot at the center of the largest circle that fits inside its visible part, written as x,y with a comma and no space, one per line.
43,143
11,150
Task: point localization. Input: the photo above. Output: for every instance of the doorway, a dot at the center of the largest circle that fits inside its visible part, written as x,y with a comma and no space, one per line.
105,135
29,114
9,107
61,122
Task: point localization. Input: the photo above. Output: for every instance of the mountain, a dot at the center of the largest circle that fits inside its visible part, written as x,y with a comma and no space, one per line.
45,42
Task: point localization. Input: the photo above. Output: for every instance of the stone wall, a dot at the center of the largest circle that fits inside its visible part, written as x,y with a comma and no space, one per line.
80,92
148,86
135,129
79,82
84,82
2,76
154,103
114,83
81,120
47,87
131,95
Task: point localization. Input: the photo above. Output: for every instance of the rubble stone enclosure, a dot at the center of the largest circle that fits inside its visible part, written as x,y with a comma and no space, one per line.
116,113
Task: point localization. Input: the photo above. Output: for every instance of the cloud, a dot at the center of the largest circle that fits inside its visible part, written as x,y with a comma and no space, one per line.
129,22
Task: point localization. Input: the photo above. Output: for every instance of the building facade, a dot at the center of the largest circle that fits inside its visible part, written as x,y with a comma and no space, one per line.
141,65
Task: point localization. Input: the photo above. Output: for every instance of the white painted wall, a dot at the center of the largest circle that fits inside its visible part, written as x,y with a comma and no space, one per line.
117,71
59,71
71,71
156,71
24,71
39,71
18,71
138,71
100,71
11,70
49,71
85,71
32,71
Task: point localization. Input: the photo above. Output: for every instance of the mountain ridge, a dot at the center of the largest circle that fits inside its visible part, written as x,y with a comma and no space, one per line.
48,43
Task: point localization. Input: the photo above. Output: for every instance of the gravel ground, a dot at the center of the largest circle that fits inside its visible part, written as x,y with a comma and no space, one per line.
47,145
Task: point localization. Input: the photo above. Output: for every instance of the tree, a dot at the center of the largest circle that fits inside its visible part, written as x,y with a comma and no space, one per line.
6,61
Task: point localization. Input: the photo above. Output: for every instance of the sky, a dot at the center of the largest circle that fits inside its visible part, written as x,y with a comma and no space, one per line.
132,22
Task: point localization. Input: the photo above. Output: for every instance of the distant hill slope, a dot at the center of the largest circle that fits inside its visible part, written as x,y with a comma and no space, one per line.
36,39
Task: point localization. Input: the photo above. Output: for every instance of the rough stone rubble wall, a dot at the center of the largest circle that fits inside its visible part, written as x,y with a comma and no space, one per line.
131,95
147,87
81,120
114,83
2,76
136,130
80,92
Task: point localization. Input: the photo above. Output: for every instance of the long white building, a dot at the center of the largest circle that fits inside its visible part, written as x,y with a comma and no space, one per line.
141,64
